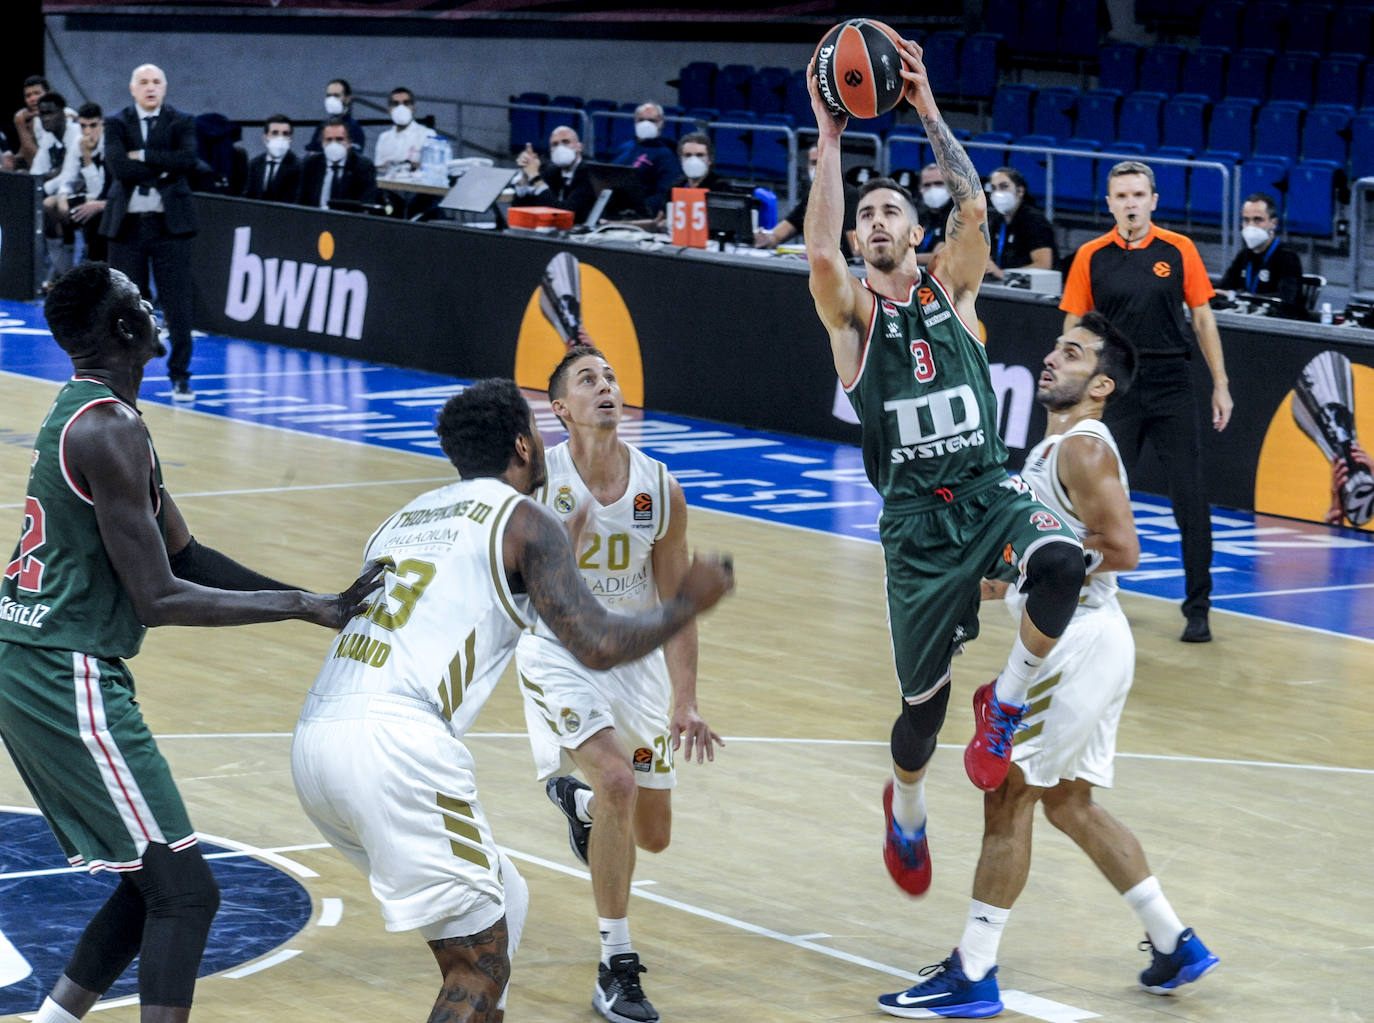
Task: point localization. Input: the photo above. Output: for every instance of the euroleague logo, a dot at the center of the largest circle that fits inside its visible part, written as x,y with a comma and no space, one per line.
853,77
1163,269
643,760
643,507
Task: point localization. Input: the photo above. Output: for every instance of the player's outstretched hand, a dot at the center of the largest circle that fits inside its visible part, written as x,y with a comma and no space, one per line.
828,123
690,732
335,610
709,578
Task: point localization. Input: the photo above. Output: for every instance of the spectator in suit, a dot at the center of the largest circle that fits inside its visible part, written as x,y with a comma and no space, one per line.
1265,265
340,172
568,186
1022,236
276,174
652,156
399,147
56,160
34,88
338,102
150,215
81,198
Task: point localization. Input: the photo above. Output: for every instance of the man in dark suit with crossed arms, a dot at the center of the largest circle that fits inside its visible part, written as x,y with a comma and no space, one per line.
150,216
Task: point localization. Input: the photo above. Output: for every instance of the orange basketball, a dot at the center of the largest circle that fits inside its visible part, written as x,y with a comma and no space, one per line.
858,65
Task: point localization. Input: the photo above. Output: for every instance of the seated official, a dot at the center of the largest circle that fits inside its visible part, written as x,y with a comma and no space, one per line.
1265,265
652,156
276,174
1022,237
340,172
400,147
790,226
565,186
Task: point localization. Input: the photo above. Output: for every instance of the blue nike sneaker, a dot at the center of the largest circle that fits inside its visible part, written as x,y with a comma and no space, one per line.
948,994
1185,964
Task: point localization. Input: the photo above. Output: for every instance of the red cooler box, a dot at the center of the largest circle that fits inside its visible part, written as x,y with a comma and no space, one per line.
548,217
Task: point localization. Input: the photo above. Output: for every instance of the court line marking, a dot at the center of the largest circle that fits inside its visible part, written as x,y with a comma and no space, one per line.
331,912
262,964
1285,593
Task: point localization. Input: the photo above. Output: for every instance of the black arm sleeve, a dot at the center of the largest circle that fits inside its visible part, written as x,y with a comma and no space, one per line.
206,566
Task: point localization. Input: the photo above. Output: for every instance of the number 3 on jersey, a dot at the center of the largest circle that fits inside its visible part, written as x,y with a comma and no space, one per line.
406,594
923,360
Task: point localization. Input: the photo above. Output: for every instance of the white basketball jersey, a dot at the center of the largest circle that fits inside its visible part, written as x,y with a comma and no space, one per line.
1041,471
446,622
616,547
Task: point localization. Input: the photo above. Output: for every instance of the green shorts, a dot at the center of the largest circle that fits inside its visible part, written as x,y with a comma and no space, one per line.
937,552
79,741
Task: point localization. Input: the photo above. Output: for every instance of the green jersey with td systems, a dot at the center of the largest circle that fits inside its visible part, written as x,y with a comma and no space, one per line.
60,590
924,397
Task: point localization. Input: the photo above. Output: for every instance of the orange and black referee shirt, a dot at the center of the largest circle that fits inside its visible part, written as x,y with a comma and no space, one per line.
1141,289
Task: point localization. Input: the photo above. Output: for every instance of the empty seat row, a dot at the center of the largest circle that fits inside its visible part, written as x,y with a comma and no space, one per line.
1045,28
1268,24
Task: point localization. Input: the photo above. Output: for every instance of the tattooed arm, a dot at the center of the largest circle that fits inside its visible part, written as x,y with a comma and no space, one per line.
539,560
960,264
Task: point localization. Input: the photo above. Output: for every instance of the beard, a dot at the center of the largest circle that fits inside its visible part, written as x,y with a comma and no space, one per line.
1059,396
889,260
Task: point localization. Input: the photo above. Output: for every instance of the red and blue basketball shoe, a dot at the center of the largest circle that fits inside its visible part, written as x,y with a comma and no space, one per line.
988,755
907,856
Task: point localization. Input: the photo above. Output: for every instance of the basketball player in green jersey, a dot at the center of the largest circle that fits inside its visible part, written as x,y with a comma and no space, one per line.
103,555
908,353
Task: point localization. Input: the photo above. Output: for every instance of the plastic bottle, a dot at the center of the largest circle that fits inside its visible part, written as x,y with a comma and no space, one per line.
434,160
1326,313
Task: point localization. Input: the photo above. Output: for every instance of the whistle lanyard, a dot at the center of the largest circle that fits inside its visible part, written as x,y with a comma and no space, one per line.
1001,241
1250,272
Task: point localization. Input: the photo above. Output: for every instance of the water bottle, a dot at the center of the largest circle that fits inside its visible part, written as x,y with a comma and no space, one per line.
434,159
1326,313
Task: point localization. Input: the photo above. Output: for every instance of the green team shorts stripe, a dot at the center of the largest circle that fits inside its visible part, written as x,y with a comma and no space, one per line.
935,562
80,743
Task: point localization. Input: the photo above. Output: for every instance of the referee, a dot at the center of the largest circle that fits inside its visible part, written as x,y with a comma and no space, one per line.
1141,276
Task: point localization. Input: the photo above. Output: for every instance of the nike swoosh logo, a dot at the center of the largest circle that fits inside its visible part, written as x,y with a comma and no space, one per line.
906,999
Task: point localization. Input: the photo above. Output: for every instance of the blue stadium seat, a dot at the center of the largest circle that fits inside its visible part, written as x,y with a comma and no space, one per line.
622,128
1053,111
941,56
1032,165
1011,109
1185,122
1362,145
697,84
904,154
1078,29
703,114
1247,75
733,144
1278,128
1352,30
601,126
1171,180
732,87
1003,17
528,125
796,100
1040,26
1120,66
979,65
985,161
1161,69
1311,197
768,155
554,118
673,130
1221,24
1233,127
1127,151
1294,77
1339,82
1367,91
1097,111
1075,178
1204,72
768,89
1326,134
1264,26
1205,193
1309,26
1264,175
1139,120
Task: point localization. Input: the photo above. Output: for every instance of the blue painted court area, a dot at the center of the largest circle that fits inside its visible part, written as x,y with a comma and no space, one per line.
43,907
1290,571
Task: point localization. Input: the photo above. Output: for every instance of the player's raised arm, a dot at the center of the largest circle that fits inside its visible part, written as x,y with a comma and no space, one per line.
960,264
835,291
539,557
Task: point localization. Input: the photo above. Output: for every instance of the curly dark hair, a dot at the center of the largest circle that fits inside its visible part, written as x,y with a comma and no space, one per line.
478,426
78,307
1118,358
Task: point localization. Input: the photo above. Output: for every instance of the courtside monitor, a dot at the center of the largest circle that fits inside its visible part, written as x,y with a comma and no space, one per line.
625,186
730,216
477,190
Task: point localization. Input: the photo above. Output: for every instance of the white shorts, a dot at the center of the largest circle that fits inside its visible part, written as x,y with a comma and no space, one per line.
394,790
566,703
1076,701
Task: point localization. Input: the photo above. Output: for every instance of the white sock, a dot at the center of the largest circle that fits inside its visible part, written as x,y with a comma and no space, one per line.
1153,910
1016,678
615,937
51,1012
982,935
908,804
582,801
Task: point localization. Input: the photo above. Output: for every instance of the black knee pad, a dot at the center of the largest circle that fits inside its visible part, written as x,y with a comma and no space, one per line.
1054,579
180,896
916,730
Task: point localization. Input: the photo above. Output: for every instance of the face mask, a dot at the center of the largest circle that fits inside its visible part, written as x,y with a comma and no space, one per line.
694,166
401,115
277,146
645,130
935,196
334,152
811,174
1003,202
562,156
333,105
1254,236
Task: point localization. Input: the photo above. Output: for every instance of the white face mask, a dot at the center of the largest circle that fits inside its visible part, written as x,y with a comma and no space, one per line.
811,174
333,105
645,130
1254,237
934,196
562,156
278,146
1003,201
401,115
694,167
335,151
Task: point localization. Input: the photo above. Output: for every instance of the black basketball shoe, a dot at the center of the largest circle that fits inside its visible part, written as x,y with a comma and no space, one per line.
562,792
618,995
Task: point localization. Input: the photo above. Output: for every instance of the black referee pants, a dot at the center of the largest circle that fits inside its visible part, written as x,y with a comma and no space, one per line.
1161,408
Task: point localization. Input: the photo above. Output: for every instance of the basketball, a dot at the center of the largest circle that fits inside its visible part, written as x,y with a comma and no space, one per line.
859,64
